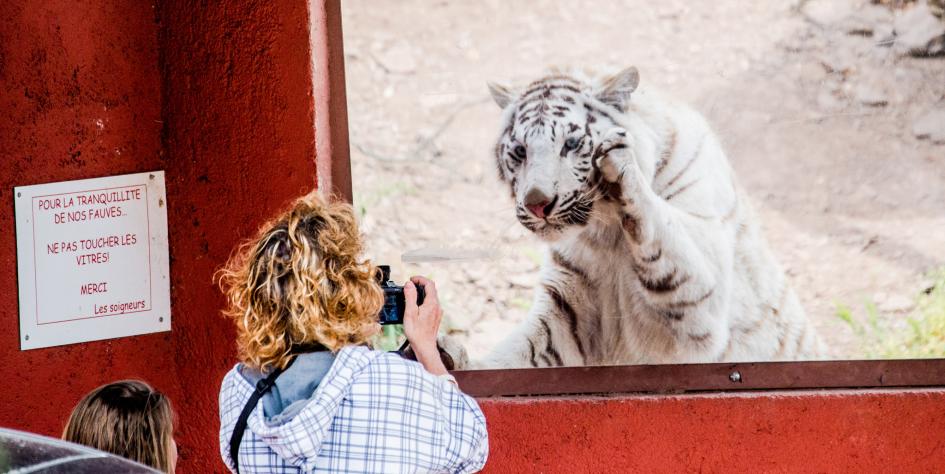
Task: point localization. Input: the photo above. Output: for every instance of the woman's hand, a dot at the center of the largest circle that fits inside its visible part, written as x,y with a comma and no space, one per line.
422,323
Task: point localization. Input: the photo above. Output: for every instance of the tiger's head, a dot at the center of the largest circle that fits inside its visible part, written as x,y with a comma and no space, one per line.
550,131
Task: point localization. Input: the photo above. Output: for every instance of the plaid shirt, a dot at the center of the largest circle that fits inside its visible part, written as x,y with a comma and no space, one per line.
373,412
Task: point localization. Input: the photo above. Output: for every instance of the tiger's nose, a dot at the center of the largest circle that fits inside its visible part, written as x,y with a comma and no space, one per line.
539,203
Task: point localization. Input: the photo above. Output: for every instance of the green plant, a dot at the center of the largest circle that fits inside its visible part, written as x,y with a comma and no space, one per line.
926,334
922,336
520,303
533,254
370,197
390,338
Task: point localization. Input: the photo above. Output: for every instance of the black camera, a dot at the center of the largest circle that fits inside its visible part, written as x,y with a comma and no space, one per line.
394,302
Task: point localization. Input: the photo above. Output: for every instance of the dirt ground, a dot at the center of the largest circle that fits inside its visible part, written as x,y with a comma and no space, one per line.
815,111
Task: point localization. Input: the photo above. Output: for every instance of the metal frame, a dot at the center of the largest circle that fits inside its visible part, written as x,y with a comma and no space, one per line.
334,155
681,378
332,150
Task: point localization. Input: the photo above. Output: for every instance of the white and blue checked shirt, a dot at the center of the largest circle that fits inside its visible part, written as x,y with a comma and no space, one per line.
372,412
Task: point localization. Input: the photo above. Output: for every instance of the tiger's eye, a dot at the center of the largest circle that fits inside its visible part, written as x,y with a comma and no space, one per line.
571,143
519,151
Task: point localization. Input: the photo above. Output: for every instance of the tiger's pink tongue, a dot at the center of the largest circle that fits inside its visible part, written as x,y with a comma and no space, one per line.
538,210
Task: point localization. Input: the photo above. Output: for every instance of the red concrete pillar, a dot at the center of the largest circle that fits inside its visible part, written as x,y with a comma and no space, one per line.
238,116
219,95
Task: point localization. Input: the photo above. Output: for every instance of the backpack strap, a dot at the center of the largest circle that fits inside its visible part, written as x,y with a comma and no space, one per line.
262,387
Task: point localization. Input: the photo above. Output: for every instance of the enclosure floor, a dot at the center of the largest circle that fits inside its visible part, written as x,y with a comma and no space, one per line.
852,203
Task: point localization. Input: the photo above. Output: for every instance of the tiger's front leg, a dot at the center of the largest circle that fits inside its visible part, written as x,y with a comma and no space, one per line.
682,264
553,334
547,338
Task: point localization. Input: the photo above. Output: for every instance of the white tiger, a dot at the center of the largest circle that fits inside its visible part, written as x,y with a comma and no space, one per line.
655,255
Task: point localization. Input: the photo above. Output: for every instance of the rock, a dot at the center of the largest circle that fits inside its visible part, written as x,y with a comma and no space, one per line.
463,321
475,274
895,304
884,35
908,85
850,240
523,280
827,101
670,12
919,32
433,100
871,93
931,126
871,21
398,58
826,12
842,64
368,223
927,285
810,71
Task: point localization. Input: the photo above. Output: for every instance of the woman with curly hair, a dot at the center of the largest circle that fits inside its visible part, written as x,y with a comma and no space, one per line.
308,393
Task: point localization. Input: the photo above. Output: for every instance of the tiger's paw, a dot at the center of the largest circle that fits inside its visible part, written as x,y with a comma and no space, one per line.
452,353
451,348
614,157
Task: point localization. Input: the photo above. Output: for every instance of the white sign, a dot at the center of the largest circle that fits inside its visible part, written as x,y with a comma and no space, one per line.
92,259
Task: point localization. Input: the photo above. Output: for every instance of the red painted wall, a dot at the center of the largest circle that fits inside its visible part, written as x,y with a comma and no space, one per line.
64,71
218,94
848,431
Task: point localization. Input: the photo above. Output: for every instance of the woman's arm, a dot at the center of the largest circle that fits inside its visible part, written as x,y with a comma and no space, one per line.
422,324
466,438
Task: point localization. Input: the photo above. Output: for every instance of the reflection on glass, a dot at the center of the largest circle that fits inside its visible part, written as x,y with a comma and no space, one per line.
784,200
22,452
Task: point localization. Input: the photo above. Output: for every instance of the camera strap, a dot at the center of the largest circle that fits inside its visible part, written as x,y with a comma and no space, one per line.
262,387
407,352
402,351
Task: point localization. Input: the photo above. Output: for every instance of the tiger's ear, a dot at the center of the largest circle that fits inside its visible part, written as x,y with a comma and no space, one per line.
503,96
616,89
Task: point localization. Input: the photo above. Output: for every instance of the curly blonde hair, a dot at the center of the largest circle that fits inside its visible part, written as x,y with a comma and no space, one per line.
300,281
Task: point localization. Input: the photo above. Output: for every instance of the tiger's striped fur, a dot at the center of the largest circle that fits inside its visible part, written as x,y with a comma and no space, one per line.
654,253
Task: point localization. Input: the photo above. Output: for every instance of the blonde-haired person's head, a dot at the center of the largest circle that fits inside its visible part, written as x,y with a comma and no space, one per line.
301,281
129,419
